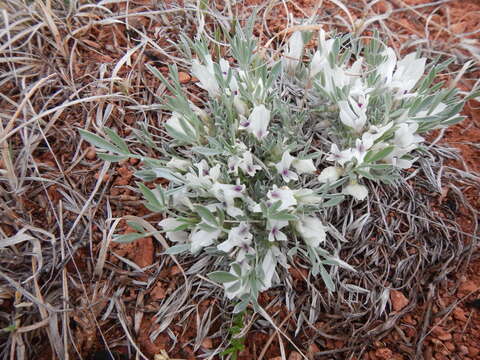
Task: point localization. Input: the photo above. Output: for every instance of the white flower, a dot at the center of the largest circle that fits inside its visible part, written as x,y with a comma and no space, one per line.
275,234
385,69
359,192
204,177
269,264
353,114
307,196
206,76
361,148
175,124
237,236
246,164
180,198
317,63
285,195
405,141
233,162
178,164
374,133
320,58
409,71
202,114
311,229
406,137
200,238
170,224
257,123
226,194
304,166
283,167
330,174
341,157
240,106
294,51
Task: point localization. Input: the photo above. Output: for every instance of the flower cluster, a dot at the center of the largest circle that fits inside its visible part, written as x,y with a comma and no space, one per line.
248,177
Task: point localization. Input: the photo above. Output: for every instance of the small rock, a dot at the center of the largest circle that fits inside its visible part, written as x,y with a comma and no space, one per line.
207,343
409,320
440,356
399,301
133,161
294,356
449,346
467,287
91,153
459,314
473,351
441,334
158,292
384,353
183,77
445,336
174,270
463,349
459,28
312,350
428,353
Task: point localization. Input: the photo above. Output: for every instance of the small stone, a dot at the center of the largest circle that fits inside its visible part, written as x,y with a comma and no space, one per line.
183,77
441,334
459,28
445,336
207,343
449,346
294,356
158,292
312,350
459,314
384,353
409,320
473,351
399,301
133,161
468,287
174,270
463,349
428,353
440,356
91,153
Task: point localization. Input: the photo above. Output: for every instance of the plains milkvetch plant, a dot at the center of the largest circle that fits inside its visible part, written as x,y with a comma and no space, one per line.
275,142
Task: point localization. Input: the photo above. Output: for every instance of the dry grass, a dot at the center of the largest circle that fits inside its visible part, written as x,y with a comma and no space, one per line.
69,65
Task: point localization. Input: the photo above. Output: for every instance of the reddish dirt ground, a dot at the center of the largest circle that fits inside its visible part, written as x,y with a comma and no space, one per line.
455,310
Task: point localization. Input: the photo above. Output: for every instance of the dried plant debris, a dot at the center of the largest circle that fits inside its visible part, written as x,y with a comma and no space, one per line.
68,290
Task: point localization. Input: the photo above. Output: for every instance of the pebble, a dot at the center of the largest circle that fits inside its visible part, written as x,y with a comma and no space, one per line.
399,301
294,356
459,314
449,346
445,336
91,153
207,343
473,351
463,349
467,287
183,77
384,353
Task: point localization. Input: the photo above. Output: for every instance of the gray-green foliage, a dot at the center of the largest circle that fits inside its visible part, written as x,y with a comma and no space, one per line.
243,167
